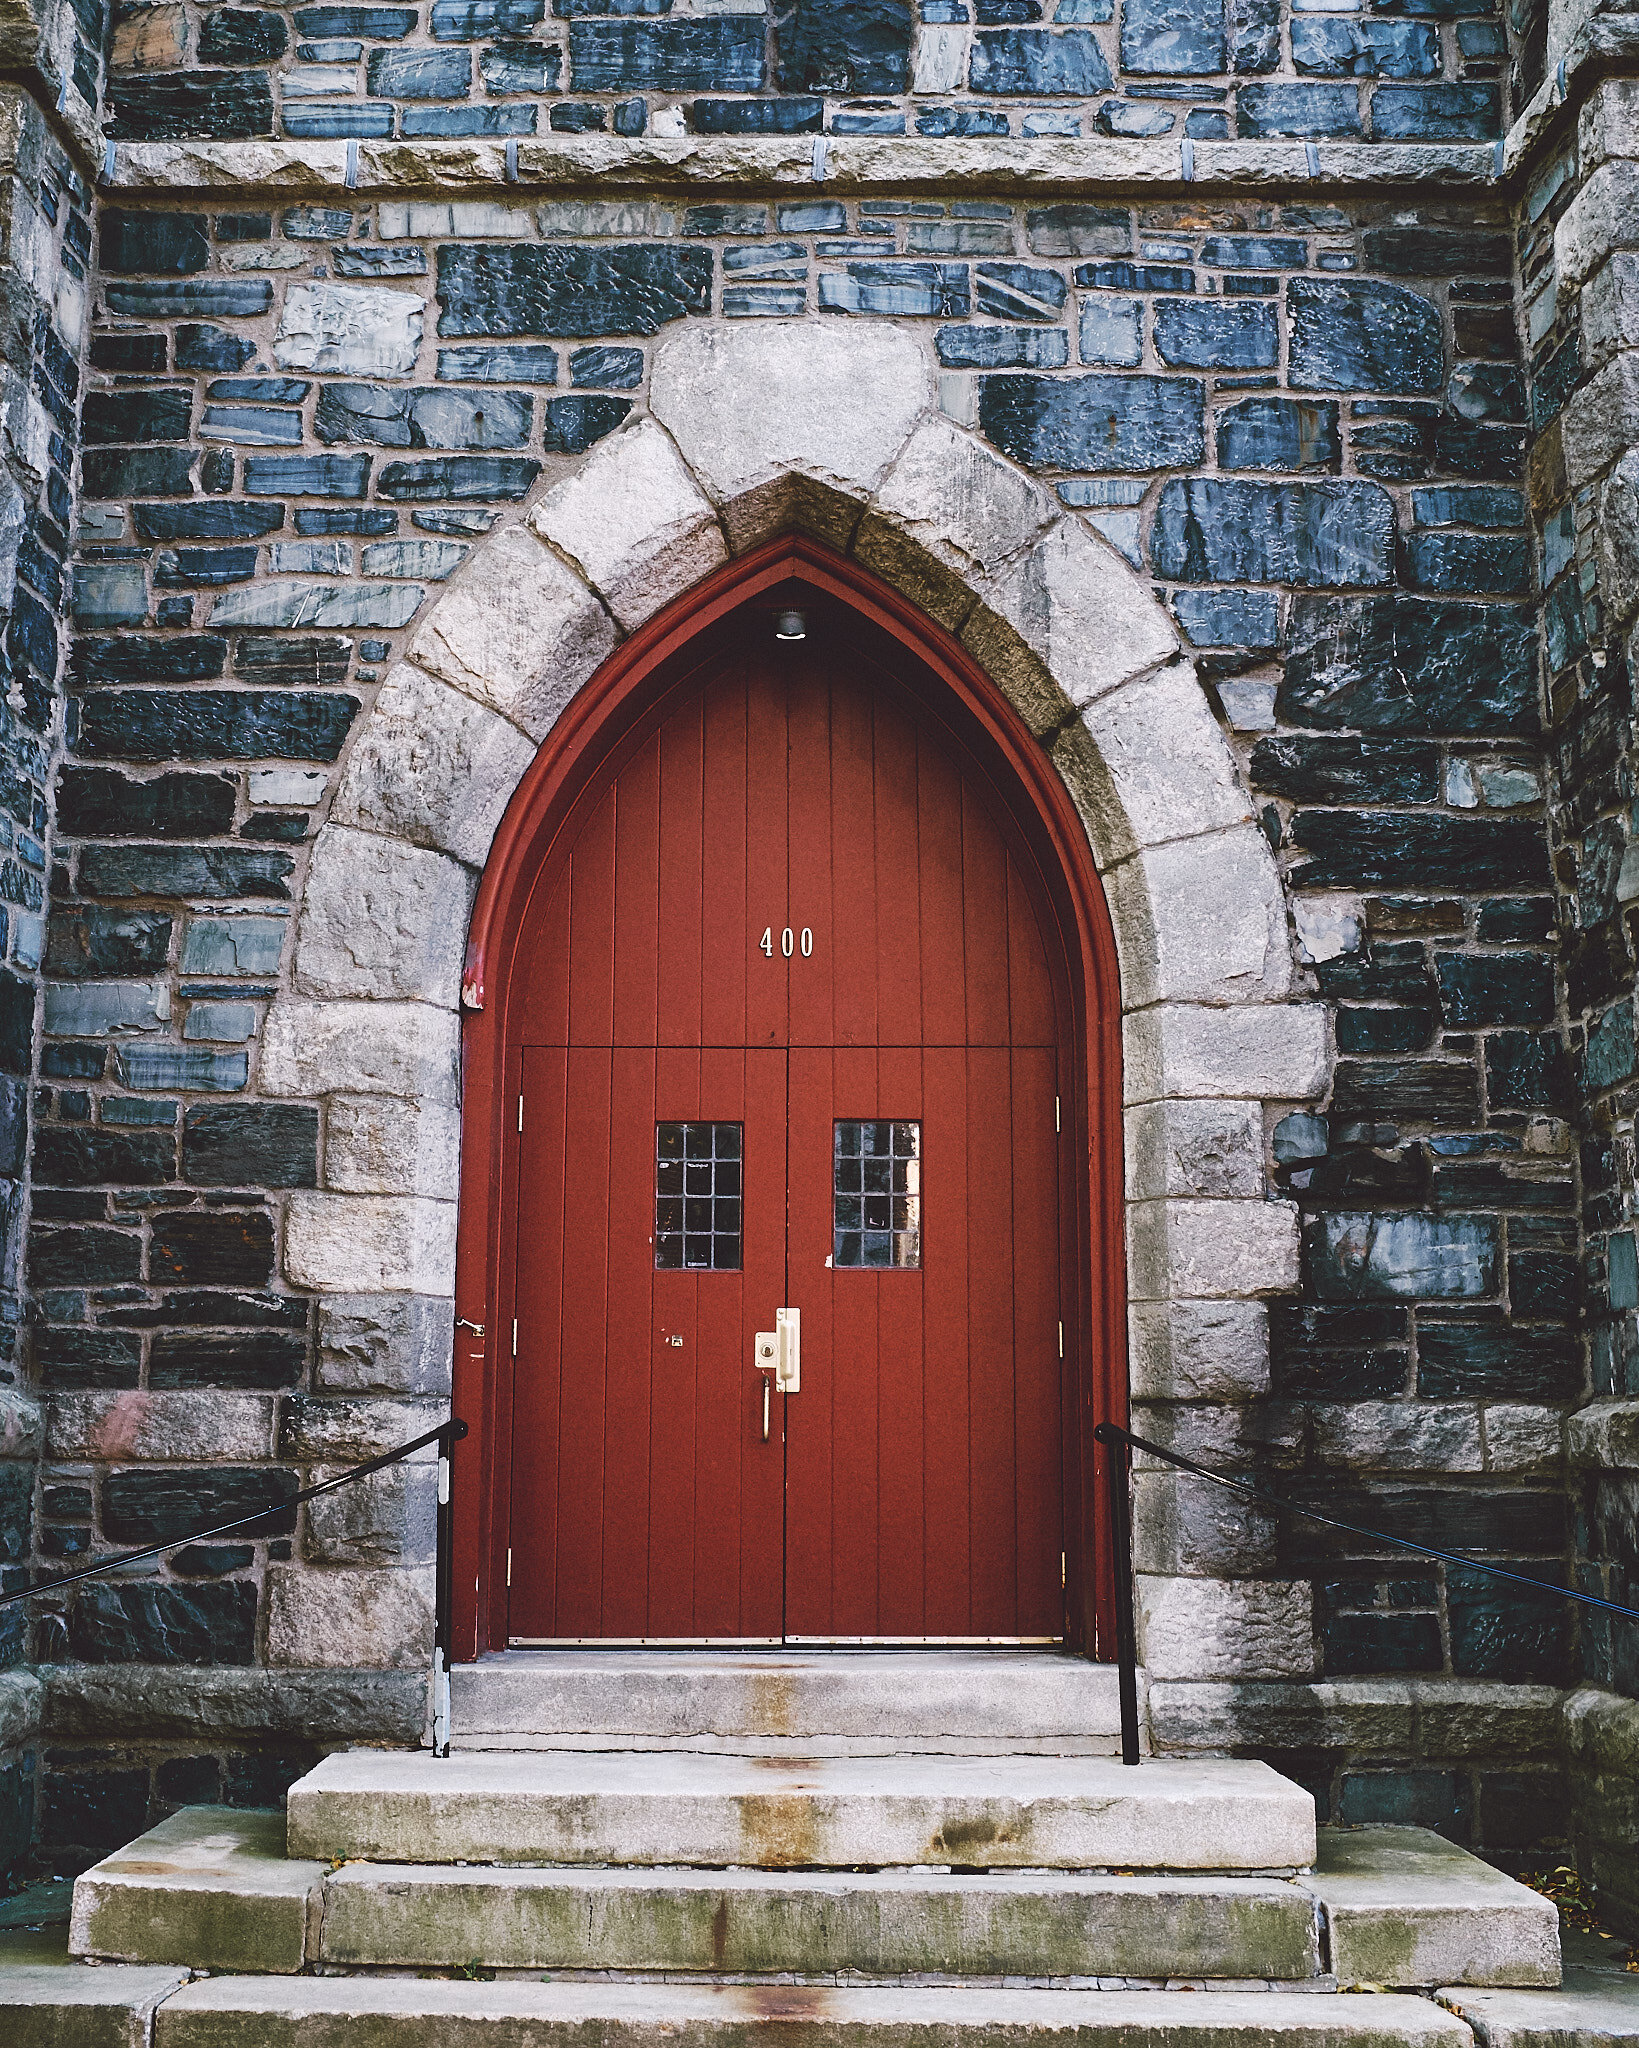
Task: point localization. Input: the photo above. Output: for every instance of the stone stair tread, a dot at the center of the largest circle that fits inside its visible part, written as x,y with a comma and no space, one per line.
55,2004
766,1702
681,1807
1592,2008
1405,1906
474,2015
878,1923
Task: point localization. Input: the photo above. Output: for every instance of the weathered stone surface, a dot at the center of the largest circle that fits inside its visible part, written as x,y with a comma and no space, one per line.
1399,664
387,1343
834,404
1209,530
293,601
561,289
377,1146
1273,1051
1278,433
1236,334
637,1810
382,919
861,46
1224,1628
721,55
881,1922
353,329
634,522
1404,1907
1175,37
159,1426
1399,1436
1065,623
387,1519
375,1244
433,767
1360,335
210,1887
369,1620
947,496
1210,1350
1094,422
1360,1256
440,417
1028,63
45,2002
1201,919
1183,1250
521,634
313,1048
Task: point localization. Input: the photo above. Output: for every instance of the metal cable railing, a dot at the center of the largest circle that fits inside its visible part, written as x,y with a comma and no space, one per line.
447,1435
1118,1442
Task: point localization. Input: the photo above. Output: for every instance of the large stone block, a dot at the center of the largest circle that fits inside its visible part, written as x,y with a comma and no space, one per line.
211,1887
432,766
356,330
1065,623
167,1427
1207,1350
1272,1051
387,1343
340,1429
1398,1436
1355,1255
1225,1628
1187,1527
1179,1249
1212,530
1362,335
365,1620
382,919
375,1244
1413,665
1201,920
567,290
633,522
1186,1150
388,1519
1601,420
377,1145
1097,422
746,405
346,1048
949,497
521,634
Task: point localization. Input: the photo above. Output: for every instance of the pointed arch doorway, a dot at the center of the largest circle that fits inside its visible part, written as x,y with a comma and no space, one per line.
798,1019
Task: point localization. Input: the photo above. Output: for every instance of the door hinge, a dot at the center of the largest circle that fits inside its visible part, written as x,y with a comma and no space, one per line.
520,1113
515,1336
509,1567
1061,1339
1058,1118
1062,1579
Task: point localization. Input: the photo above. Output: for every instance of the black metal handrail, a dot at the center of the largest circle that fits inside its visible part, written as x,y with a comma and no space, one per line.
447,1435
1116,1440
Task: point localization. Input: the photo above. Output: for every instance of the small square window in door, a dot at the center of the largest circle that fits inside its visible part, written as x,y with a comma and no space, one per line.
697,1195
878,1193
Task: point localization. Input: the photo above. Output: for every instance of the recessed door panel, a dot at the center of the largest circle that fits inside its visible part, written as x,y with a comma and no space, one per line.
794,914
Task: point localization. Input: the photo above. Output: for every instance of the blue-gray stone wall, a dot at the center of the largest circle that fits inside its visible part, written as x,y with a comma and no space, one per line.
1033,69
1304,422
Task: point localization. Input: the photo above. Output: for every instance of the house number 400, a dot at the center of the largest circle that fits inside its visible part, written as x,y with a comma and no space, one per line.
789,941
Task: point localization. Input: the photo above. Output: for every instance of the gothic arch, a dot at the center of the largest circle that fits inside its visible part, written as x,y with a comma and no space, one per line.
834,432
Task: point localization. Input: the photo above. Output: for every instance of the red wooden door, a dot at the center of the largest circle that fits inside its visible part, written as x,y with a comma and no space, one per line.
793,923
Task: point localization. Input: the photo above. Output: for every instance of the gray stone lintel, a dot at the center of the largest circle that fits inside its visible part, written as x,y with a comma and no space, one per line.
607,163
161,1701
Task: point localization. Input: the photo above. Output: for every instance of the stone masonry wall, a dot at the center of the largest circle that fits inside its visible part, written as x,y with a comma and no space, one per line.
1305,422
1581,285
46,225
1436,69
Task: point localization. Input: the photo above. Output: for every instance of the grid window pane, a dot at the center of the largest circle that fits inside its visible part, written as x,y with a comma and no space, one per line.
697,1197
877,1193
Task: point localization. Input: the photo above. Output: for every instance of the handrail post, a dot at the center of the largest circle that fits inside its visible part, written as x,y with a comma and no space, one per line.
1119,1508
443,1571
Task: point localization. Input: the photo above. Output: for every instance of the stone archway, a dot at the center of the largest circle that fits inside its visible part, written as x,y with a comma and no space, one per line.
836,431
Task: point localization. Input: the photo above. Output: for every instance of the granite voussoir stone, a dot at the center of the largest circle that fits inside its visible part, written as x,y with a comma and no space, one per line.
1095,422
567,290
1229,530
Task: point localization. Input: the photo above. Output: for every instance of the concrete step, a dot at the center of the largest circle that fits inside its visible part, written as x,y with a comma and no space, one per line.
772,1703
1596,2009
1405,1907
378,2012
824,1813
59,2004
880,1924
211,1887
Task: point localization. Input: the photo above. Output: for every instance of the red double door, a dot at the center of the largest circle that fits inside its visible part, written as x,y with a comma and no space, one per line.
792,1040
